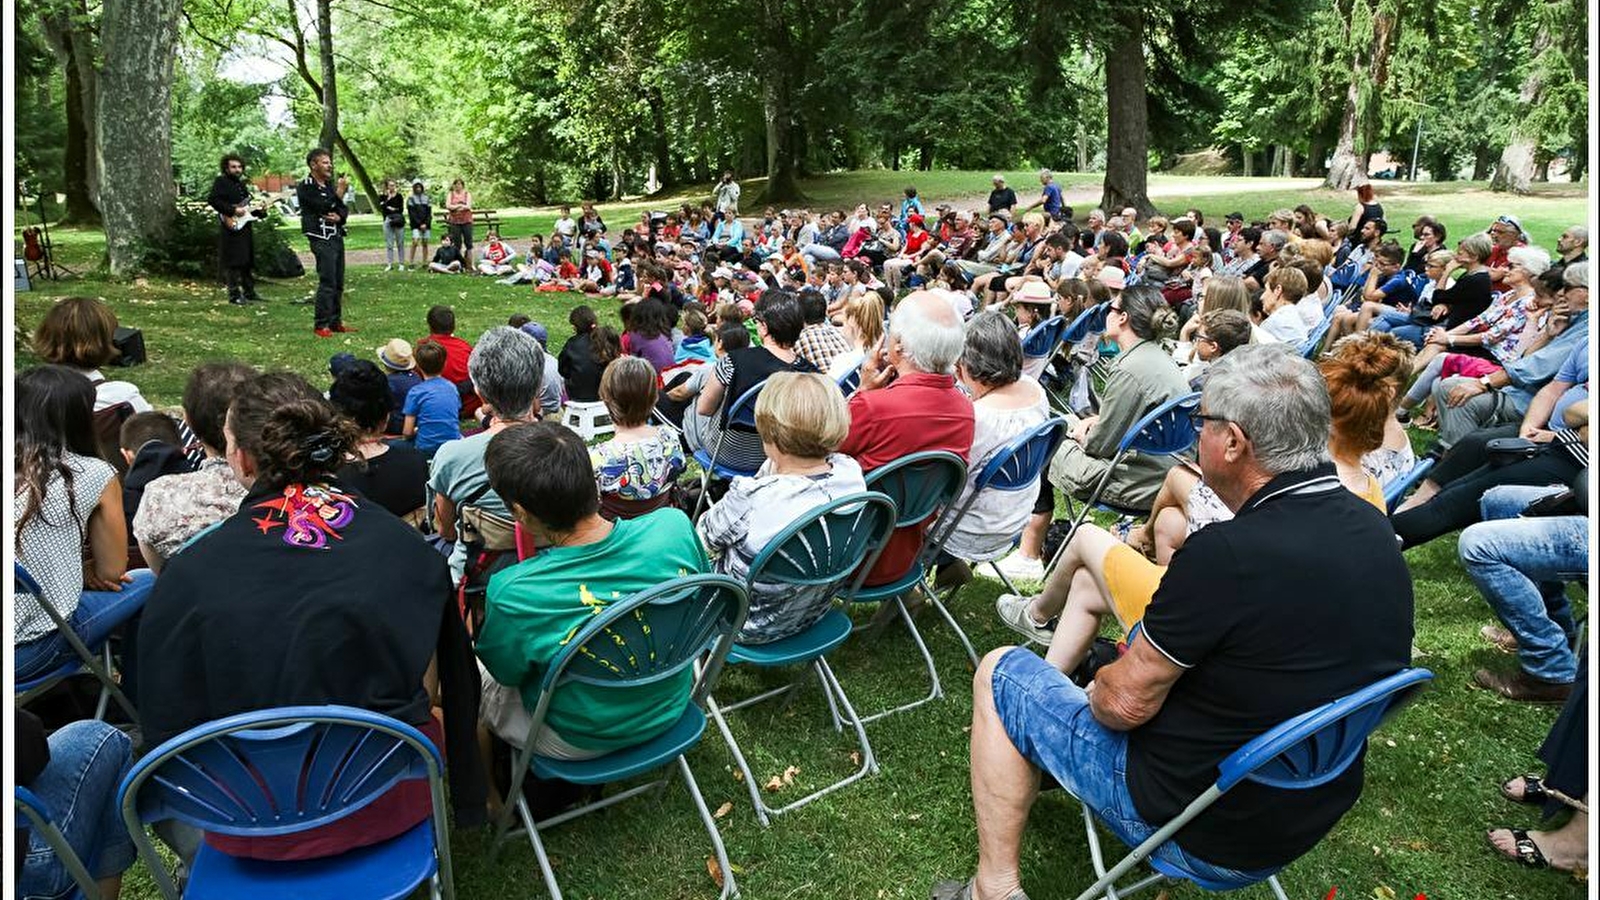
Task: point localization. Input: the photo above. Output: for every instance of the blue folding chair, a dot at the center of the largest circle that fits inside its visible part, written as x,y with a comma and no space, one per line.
922,485
1396,492
1016,467
1166,430
1308,348
33,814
644,639
1041,343
850,381
1091,321
95,661
825,546
742,412
276,772
1304,752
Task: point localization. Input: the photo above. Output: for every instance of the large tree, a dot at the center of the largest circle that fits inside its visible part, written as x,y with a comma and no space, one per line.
1127,116
139,42
70,30
1369,36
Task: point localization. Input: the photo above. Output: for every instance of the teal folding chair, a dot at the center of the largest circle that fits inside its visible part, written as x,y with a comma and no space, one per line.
742,412
1304,752
922,486
33,814
823,547
1396,492
633,643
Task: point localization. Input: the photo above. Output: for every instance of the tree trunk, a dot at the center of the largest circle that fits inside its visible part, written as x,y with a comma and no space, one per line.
1482,162
74,48
330,88
1083,148
1249,157
134,116
362,178
1515,171
1127,120
777,100
659,142
1288,161
1369,67
1541,168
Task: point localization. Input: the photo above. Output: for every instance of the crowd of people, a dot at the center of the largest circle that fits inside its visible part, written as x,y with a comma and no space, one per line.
418,534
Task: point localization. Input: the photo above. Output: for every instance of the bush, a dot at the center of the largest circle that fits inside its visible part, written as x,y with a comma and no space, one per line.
191,251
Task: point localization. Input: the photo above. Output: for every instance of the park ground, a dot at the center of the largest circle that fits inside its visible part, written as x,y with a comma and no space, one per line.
1431,773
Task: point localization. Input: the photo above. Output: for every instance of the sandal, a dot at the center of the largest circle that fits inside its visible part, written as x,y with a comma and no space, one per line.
1527,852
964,890
1533,791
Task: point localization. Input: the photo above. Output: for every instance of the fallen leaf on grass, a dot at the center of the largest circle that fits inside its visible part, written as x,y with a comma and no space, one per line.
855,757
774,784
779,782
714,870
723,810
1383,892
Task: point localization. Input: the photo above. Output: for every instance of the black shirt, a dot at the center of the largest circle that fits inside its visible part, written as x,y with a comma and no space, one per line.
579,370
392,207
1300,599
751,366
1258,270
395,479
316,201
1470,295
1002,198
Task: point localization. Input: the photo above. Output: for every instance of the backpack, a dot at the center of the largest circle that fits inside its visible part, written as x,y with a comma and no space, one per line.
491,545
108,431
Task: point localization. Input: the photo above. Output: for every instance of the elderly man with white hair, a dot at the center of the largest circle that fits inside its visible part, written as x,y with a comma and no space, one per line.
1253,623
908,403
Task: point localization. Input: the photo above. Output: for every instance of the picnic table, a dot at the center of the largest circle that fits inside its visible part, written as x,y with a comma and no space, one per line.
479,217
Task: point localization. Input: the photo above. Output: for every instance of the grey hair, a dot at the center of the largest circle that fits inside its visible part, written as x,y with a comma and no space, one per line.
1278,399
929,331
993,353
1580,234
1276,238
507,370
1480,245
1577,274
1045,173
1535,259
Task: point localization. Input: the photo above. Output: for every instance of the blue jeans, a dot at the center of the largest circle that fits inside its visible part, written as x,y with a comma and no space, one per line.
1047,718
1521,566
99,613
87,761
1399,324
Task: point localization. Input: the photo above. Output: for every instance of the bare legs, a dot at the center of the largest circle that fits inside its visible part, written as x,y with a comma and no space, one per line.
1004,786
1566,848
1168,526
1077,593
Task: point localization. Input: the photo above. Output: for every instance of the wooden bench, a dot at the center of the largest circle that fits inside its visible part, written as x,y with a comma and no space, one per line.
485,217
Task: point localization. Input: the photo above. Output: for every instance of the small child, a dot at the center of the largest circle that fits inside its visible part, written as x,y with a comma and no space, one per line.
433,408
446,259
1221,332
696,345
641,461
151,447
1284,287
498,257
802,420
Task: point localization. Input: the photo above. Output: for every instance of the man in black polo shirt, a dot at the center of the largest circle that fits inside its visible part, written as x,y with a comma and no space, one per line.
1301,598
322,217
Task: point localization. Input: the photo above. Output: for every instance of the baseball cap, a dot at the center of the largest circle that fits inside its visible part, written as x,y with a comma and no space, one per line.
339,363
1234,217
537,332
396,355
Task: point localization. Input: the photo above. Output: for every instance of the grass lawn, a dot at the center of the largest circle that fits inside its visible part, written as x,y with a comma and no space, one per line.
1431,773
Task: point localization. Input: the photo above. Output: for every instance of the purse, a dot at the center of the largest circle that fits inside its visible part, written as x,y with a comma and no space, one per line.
1508,450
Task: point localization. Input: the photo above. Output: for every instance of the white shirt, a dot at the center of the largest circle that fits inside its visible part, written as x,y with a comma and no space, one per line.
1287,325
1310,307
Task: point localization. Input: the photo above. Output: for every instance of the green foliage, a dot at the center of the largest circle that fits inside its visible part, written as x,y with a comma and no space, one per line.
191,250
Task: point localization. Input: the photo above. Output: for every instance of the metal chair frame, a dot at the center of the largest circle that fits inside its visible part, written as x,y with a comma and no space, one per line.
32,812
1395,493
742,412
99,666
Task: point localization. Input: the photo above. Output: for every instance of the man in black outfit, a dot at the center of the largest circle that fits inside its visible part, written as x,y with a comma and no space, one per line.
236,249
322,218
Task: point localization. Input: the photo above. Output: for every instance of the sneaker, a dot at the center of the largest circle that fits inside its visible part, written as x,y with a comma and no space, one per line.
1403,416
1013,610
1019,567
237,301
322,332
345,329
389,267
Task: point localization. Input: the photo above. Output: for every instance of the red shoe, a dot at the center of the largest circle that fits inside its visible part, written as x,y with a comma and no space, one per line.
322,332
345,329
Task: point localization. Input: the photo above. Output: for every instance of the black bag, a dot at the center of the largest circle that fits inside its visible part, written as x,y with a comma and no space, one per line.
283,263
1054,537
1505,451
395,220
1102,652
130,346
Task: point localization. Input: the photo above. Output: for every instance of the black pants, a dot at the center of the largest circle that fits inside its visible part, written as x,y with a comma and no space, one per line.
1456,505
241,281
329,255
1467,454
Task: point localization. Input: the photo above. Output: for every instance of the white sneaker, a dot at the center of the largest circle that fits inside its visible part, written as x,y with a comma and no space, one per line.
1022,568
389,267
1013,610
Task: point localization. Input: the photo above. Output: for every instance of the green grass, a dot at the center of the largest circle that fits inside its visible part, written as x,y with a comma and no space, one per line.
1418,828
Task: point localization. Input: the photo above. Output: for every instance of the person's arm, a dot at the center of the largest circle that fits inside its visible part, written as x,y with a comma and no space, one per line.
409,430
152,557
1536,420
1373,291
108,541
710,401
444,516
1129,692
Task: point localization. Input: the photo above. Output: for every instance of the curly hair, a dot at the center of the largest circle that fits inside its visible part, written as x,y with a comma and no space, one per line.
292,434
361,392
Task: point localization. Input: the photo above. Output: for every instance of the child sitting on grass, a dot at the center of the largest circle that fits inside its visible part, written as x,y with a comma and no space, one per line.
432,408
640,462
802,420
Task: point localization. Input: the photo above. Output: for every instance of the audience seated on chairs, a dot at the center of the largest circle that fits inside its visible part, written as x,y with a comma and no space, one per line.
1201,677
69,530
862,330
542,471
1280,317
390,473
1005,405
1532,542
778,323
820,343
152,449
638,465
307,595
175,508
1219,332
908,403
802,420
679,403
507,367
75,772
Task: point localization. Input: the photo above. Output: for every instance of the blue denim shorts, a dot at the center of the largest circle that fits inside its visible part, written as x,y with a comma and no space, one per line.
1048,720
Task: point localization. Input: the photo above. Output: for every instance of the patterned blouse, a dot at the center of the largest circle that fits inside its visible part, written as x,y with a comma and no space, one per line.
175,508
1502,325
641,470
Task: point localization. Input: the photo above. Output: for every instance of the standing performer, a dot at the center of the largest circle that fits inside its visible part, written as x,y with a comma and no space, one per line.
322,218
236,249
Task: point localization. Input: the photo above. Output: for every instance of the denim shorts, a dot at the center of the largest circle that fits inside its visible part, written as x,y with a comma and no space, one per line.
1048,720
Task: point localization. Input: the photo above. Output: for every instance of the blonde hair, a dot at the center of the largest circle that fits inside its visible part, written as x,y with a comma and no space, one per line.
866,314
1441,258
1226,292
1317,250
802,414
1290,281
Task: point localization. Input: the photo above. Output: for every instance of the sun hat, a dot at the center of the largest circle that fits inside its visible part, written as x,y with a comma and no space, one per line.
722,272
396,355
1034,292
1113,278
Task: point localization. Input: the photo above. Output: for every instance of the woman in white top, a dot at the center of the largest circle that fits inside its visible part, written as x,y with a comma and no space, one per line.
66,499
78,333
1005,405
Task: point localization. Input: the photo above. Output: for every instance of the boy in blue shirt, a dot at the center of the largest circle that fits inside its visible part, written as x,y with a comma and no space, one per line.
432,408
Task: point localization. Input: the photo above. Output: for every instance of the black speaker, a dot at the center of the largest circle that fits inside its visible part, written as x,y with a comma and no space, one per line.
130,346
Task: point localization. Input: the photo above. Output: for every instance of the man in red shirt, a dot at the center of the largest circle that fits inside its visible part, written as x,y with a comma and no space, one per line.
441,330
908,403
1506,232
